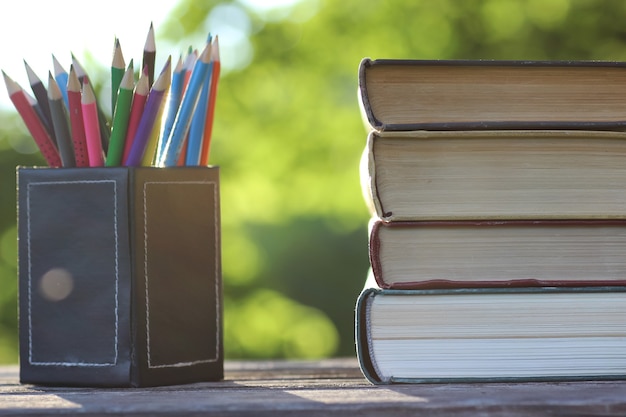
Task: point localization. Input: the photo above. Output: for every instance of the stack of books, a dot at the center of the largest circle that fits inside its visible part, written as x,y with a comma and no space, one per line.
498,231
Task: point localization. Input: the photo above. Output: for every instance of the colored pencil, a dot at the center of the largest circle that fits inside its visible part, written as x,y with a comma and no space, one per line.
24,106
92,125
60,75
139,100
156,99
188,104
190,61
76,119
120,118
192,56
78,68
149,55
60,123
173,101
118,68
41,95
208,126
198,120
105,129
155,134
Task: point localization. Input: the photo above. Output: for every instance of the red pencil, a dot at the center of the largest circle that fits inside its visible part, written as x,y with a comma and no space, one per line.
24,105
208,125
92,125
136,110
76,119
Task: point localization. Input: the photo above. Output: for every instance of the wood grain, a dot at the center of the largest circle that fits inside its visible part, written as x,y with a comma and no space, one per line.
313,388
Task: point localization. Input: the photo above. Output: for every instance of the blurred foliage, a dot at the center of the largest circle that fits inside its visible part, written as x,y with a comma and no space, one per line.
288,137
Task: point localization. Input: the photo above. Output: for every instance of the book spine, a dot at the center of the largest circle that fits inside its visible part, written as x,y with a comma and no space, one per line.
374,249
362,337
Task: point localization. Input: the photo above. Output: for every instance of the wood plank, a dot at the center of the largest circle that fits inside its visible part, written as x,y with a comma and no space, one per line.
314,388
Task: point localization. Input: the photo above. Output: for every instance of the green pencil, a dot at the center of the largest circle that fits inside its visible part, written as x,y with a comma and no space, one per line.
120,118
117,73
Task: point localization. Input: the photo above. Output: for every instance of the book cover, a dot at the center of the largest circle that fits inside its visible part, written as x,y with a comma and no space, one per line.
491,335
533,174
514,253
400,94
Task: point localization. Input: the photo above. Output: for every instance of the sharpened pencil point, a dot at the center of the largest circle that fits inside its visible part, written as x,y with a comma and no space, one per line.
32,77
58,68
54,92
80,71
12,86
88,93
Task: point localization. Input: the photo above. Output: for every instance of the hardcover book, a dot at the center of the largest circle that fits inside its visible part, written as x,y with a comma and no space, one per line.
534,174
483,335
398,94
480,254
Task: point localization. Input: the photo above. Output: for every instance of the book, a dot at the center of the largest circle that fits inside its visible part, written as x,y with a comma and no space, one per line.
501,174
398,94
489,335
514,253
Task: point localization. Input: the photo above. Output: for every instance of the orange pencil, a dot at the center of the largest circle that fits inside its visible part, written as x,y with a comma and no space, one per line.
208,125
25,107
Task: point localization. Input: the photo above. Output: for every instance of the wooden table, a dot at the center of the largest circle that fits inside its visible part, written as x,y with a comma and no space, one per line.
316,388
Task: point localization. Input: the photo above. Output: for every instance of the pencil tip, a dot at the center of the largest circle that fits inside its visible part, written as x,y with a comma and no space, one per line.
58,68
54,93
32,77
150,44
12,86
205,56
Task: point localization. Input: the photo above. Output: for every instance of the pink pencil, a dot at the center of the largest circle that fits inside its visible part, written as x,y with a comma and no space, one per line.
139,100
92,125
24,105
76,119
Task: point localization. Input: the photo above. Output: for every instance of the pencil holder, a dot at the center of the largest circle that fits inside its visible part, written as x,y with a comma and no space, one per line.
119,276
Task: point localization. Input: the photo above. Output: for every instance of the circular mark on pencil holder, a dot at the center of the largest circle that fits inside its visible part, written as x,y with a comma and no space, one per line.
56,284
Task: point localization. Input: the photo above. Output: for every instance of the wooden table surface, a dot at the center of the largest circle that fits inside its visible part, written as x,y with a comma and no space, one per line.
314,388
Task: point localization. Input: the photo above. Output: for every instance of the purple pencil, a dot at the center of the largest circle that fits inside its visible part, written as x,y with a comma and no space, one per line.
150,112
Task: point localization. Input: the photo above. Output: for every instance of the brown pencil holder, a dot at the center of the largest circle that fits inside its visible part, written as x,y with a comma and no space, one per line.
119,276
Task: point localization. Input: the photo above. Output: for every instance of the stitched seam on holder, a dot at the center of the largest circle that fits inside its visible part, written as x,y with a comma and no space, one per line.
145,260
115,225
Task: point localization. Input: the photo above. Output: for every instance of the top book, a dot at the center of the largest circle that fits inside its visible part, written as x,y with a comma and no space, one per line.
399,94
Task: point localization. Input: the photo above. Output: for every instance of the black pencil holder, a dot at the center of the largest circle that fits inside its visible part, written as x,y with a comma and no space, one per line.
119,276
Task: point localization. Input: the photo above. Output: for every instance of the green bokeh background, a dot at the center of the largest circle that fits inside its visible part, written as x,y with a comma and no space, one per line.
288,136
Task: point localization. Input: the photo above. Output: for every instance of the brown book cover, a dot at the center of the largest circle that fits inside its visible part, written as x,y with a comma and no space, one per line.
504,174
401,94
514,253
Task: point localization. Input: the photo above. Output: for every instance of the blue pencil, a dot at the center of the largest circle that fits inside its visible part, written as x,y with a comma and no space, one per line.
61,76
196,130
175,141
176,92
